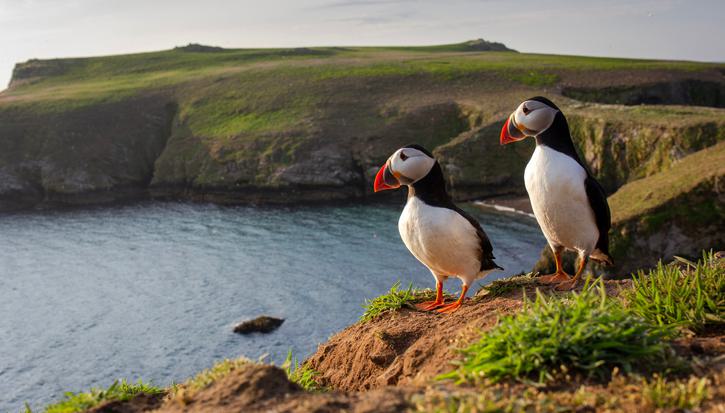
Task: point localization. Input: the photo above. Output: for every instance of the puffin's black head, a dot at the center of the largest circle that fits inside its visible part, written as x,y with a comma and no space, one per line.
532,118
406,166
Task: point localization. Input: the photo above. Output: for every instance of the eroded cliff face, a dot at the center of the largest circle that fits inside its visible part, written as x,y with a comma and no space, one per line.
101,152
679,211
619,143
317,162
142,145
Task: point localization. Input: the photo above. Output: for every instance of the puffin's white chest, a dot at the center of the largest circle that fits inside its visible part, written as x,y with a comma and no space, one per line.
555,183
441,239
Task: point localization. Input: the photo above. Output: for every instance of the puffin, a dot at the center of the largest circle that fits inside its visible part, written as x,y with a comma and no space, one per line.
443,237
569,204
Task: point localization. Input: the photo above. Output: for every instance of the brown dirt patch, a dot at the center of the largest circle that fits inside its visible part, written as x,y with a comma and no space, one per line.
405,347
263,388
140,403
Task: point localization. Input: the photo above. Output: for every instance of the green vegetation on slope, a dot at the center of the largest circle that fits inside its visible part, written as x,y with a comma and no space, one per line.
82,401
641,197
301,374
624,143
504,286
394,300
683,203
692,298
623,393
590,333
112,77
587,333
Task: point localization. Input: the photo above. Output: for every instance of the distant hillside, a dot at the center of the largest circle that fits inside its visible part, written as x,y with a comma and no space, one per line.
313,124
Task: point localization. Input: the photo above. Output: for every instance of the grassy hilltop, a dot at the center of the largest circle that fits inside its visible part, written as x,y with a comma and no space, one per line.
314,124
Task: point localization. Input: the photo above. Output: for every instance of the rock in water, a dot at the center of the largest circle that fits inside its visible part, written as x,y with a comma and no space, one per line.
261,324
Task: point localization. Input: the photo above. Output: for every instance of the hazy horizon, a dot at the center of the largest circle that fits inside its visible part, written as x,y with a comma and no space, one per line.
670,29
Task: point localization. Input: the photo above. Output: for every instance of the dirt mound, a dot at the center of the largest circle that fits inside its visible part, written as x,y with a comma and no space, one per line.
238,391
264,388
405,347
140,403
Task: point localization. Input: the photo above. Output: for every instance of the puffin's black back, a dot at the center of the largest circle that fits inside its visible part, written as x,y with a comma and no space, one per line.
432,190
558,137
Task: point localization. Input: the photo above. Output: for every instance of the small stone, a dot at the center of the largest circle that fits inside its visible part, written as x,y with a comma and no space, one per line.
261,324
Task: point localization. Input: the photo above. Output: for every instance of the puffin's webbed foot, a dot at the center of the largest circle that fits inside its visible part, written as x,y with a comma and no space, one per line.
438,302
570,284
557,277
449,308
566,285
429,305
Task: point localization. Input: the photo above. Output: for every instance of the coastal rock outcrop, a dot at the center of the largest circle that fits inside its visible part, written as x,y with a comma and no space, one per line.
261,324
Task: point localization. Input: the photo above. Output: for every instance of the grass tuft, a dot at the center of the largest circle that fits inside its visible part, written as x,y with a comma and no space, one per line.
184,392
586,333
623,393
302,375
504,286
679,394
394,300
82,401
216,372
691,298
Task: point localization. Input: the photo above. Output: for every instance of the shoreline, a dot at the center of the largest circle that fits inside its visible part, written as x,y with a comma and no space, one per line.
496,203
518,205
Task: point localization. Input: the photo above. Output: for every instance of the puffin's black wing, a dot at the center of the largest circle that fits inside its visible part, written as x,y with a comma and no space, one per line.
487,257
602,215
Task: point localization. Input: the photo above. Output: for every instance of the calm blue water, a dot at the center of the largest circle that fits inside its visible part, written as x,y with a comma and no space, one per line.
152,290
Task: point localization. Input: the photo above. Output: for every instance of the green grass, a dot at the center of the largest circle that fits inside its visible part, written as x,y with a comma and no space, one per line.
218,371
586,333
623,393
645,195
693,298
394,300
69,83
82,401
535,78
303,375
504,286
659,392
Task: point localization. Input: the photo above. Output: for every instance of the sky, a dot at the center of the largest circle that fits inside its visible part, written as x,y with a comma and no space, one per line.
666,29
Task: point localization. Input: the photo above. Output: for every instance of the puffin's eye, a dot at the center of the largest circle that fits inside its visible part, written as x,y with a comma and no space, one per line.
526,110
403,156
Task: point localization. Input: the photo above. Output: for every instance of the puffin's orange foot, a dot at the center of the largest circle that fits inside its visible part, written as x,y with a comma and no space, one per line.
449,308
557,277
566,285
429,305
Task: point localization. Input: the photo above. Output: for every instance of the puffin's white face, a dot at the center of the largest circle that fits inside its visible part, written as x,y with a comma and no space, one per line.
410,165
531,118
406,166
534,116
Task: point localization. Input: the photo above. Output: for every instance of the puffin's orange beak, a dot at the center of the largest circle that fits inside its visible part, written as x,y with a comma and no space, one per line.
385,180
510,133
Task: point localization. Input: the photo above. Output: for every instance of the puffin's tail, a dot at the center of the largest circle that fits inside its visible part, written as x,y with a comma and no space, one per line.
490,266
601,256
